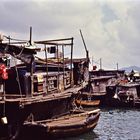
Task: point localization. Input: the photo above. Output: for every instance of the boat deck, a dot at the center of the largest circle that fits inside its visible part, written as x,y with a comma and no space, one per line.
40,98
97,93
67,120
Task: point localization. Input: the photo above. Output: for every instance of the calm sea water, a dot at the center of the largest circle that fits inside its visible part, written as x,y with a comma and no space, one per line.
115,124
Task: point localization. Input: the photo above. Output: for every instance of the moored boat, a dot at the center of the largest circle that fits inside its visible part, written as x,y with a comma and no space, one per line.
123,94
87,100
88,103
72,124
95,94
36,87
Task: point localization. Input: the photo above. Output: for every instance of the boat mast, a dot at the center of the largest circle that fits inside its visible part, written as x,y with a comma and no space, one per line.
30,41
100,63
87,53
32,65
117,66
71,79
63,65
46,67
57,57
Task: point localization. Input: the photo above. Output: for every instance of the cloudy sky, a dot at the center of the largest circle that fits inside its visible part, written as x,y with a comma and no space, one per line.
111,28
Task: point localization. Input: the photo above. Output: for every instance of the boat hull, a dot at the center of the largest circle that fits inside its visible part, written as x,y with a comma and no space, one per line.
66,126
43,108
73,130
88,103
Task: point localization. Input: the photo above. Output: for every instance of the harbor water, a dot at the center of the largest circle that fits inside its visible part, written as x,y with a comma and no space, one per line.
115,124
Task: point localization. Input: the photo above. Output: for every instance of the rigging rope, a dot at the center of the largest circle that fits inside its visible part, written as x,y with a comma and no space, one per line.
14,39
4,97
18,78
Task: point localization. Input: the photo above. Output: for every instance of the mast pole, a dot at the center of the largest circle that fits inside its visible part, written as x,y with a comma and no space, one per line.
117,66
71,62
87,53
32,65
63,66
100,63
46,67
30,41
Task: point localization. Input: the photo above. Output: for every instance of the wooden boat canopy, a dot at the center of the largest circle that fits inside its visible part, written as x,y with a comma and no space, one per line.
68,41
20,52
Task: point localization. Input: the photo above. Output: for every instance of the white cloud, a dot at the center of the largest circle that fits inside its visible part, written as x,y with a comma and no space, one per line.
111,28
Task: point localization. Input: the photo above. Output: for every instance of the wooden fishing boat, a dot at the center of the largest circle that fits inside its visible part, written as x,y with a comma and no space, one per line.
88,103
36,87
99,80
123,94
94,94
72,124
86,99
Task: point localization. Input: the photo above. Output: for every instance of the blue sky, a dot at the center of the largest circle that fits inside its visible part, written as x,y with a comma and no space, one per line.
111,28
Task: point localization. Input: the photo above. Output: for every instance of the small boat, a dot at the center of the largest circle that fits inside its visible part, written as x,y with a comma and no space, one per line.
86,99
99,80
94,94
72,124
88,103
123,94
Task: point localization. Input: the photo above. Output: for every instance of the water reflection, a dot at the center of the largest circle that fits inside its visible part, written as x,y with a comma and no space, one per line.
86,136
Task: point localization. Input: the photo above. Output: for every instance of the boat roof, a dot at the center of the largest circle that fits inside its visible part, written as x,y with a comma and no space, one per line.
44,73
102,77
128,85
106,72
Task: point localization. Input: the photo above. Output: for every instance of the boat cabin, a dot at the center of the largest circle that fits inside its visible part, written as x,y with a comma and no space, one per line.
125,94
98,84
117,73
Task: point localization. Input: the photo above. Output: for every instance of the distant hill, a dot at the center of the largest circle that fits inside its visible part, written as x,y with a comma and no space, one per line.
129,69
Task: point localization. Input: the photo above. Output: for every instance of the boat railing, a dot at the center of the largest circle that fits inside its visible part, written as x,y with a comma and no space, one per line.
12,96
